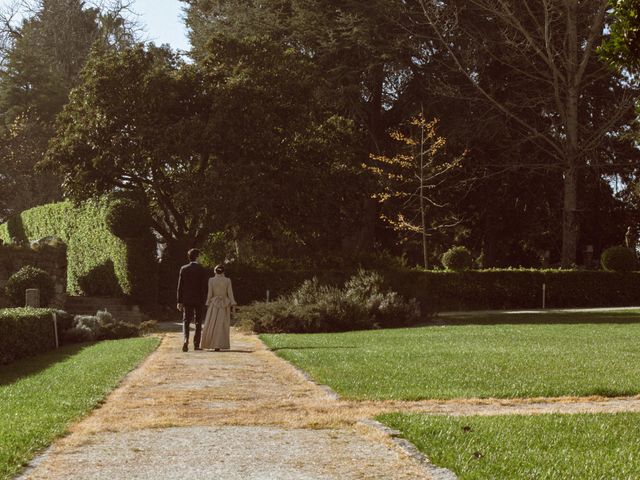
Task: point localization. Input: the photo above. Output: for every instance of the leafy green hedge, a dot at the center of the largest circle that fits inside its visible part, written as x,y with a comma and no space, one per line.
511,289
468,290
99,263
27,331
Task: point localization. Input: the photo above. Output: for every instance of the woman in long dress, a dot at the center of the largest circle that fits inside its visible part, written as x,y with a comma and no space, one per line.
215,333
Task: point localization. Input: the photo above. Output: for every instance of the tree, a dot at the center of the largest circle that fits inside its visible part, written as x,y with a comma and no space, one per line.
547,56
133,124
41,58
412,181
360,54
623,46
219,146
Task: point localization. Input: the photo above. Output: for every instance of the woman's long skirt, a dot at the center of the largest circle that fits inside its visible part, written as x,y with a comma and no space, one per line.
215,333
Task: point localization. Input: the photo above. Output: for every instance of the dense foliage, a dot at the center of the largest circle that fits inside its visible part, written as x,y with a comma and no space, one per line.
27,331
623,47
43,47
362,303
281,128
26,278
190,144
499,289
98,261
522,89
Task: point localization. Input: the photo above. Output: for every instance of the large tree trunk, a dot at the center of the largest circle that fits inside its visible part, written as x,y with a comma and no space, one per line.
570,218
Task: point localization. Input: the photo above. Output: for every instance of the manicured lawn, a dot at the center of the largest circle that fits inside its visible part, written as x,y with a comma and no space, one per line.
627,315
505,361
544,447
41,396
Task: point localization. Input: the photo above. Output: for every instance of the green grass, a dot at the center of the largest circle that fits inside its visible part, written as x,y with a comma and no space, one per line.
544,447
471,361
543,317
41,396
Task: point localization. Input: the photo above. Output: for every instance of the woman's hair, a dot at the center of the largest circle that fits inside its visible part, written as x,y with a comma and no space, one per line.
219,269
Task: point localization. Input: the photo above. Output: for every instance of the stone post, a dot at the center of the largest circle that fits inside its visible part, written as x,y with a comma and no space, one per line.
32,298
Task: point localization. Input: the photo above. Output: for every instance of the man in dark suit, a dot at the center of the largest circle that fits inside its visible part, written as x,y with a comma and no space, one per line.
192,296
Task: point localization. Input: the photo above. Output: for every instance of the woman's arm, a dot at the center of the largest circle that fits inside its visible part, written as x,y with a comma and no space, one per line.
210,292
230,294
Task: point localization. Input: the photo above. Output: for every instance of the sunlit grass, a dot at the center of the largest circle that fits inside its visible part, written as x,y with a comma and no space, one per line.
505,361
41,396
541,447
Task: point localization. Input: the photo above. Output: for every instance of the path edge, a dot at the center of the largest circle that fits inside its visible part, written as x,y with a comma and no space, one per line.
409,449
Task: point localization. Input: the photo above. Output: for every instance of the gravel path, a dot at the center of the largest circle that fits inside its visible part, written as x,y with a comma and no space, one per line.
243,414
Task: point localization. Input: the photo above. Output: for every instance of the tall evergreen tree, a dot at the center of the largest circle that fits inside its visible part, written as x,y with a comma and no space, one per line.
42,59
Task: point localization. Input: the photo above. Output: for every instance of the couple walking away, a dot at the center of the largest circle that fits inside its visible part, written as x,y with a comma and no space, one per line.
195,291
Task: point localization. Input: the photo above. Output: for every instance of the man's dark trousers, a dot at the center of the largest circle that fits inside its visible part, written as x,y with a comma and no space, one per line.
193,313
192,295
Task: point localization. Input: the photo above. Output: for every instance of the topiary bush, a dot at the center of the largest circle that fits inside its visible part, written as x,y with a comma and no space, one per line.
127,219
29,277
457,259
618,259
100,281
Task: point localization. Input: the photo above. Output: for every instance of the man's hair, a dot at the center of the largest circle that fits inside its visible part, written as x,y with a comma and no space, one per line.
193,254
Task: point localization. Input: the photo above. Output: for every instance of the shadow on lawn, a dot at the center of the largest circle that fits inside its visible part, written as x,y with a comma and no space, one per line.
332,347
26,367
536,318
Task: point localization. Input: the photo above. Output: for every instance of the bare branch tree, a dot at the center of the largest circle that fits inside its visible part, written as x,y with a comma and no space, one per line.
548,49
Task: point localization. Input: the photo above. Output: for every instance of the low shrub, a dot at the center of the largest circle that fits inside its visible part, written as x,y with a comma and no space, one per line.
101,326
362,303
457,259
619,259
29,277
26,332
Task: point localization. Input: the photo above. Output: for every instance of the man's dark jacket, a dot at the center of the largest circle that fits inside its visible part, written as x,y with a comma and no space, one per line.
192,284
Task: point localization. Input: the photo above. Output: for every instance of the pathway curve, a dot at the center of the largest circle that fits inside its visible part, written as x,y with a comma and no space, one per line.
247,414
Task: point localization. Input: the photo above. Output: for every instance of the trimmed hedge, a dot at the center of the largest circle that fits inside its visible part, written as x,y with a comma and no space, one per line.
518,289
26,332
469,290
619,259
30,277
98,261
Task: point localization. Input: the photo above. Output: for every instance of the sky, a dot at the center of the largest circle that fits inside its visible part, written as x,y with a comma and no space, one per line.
160,19
162,22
